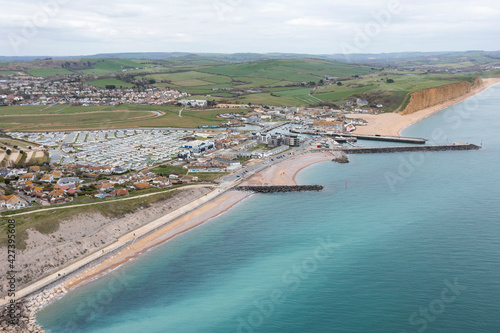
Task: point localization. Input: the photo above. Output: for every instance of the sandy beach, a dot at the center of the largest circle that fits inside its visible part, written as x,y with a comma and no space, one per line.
393,123
197,212
282,173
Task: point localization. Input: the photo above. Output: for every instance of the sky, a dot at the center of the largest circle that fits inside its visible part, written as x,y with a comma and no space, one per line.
86,27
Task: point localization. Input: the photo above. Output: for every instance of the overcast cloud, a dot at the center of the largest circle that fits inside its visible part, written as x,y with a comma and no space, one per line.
68,27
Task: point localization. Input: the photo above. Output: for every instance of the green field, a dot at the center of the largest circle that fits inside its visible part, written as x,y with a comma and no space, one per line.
47,121
48,71
102,83
374,87
9,72
274,82
166,170
106,66
267,75
65,117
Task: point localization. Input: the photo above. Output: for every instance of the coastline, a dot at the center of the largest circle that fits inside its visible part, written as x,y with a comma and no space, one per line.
216,203
273,175
161,230
391,124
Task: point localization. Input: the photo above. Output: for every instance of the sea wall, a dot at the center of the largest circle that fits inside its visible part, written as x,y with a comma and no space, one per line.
403,149
429,97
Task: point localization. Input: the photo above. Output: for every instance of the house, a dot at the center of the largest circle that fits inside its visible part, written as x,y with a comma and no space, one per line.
12,202
141,186
47,178
57,196
161,181
105,187
68,181
28,176
361,102
121,192
34,169
56,174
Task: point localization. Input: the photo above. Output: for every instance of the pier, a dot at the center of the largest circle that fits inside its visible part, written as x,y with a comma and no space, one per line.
281,188
385,138
359,136
398,149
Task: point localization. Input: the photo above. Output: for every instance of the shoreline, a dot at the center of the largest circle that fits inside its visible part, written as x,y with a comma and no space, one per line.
391,124
211,205
185,218
197,217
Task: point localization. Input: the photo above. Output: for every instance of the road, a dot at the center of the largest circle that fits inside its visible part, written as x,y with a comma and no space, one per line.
108,201
249,171
226,183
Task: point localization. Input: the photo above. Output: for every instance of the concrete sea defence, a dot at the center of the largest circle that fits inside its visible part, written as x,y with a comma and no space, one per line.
281,188
398,149
429,97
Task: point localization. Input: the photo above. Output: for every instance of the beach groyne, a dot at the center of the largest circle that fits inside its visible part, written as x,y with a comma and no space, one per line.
422,99
399,149
280,188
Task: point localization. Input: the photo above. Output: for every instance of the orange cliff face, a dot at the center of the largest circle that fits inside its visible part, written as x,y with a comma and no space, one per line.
429,97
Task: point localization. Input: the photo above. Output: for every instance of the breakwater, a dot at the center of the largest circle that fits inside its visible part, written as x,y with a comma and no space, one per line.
398,149
385,138
280,188
23,314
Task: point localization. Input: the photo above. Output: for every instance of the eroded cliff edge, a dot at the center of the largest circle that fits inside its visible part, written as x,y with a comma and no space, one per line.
429,97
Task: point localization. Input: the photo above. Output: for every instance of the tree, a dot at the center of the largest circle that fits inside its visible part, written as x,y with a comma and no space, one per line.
110,86
390,81
339,83
8,151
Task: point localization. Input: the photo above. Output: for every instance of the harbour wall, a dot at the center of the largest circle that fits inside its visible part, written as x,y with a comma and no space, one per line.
372,150
282,188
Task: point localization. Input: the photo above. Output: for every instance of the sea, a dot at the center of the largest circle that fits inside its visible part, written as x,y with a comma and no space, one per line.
401,242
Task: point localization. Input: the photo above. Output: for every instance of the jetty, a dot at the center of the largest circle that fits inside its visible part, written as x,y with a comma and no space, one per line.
359,136
398,149
280,188
385,138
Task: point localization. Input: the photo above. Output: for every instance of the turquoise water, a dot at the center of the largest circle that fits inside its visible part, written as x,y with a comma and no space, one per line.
410,244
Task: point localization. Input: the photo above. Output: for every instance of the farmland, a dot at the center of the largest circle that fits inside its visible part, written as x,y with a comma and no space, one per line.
287,82
65,117
48,71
